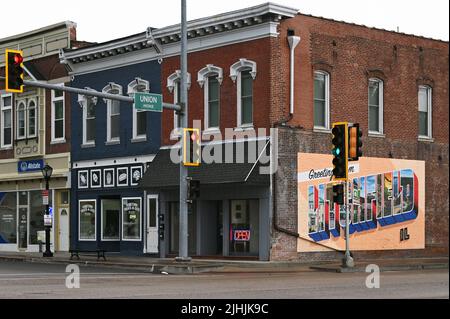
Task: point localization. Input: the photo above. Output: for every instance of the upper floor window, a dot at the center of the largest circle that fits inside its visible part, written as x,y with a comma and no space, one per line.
32,118
425,112
139,117
88,104
376,106
321,100
211,78
174,86
6,121
113,113
58,116
21,119
244,72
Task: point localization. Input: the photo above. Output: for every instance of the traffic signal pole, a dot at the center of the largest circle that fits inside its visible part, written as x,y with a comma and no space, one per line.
183,118
348,262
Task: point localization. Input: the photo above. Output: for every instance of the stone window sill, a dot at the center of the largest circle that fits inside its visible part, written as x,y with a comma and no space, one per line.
377,135
426,139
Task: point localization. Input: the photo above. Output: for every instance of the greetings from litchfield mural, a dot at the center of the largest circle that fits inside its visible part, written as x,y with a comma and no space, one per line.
386,204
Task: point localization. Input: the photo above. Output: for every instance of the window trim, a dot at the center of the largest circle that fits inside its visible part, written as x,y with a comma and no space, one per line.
34,99
140,219
55,99
429,91
239,102
380,131
4,108
24,136
203,80
79,220
83,100
111,88
135,86
174,85
327,102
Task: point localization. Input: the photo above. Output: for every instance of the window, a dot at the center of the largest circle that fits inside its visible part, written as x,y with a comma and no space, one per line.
174,86
244,72
131,222
87,220
425,112
111,219
246,99
6,121
139,117
113,113
321,100
58,115
88,104
21,120
211,78
375,106
32,118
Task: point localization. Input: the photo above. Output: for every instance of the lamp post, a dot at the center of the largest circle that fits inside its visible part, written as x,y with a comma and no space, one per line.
47,173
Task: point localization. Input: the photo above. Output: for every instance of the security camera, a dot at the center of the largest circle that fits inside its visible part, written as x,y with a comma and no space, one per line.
160,60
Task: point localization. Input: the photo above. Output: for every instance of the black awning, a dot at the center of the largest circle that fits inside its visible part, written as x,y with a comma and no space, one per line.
163,172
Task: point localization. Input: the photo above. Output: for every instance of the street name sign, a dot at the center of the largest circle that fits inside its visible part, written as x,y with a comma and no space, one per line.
148,102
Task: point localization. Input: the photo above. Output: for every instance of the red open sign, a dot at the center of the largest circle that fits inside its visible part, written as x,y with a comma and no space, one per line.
242,235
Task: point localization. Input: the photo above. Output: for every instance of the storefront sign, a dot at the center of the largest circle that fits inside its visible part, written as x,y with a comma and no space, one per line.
242,235
30,166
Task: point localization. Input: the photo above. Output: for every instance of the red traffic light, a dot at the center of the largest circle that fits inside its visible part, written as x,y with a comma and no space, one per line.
18,59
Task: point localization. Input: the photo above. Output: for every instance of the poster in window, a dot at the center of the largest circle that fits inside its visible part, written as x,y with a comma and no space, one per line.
83,179
108,178
136,175
96,178
131,208
87,220
122,176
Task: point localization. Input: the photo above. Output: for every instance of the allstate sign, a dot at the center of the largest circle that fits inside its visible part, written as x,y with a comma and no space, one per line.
30,166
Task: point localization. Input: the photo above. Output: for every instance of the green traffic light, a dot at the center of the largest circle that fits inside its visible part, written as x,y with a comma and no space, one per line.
337,152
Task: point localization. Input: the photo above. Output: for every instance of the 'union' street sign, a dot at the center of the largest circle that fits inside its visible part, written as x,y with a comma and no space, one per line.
148,102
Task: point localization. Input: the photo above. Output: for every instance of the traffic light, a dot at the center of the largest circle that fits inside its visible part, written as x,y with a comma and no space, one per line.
355,143
14,71
340,151
338,194
193,189
191,147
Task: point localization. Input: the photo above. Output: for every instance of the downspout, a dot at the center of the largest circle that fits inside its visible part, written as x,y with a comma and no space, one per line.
293,42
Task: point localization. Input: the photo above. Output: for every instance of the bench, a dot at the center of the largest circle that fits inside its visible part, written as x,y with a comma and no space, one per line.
76,253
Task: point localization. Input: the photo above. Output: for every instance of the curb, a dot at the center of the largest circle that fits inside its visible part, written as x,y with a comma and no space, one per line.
360,269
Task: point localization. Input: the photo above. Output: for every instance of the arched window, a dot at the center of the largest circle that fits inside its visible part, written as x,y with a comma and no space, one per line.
139,117
210,78
113,113
321,100
21,120
244,73
32,118
88,104
376,106
173,85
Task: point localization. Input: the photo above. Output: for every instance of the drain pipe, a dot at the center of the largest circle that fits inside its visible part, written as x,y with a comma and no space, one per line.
293,42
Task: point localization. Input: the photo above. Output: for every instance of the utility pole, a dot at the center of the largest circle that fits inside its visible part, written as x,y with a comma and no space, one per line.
183,120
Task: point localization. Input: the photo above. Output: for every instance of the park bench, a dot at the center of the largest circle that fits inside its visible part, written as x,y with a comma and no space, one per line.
77,252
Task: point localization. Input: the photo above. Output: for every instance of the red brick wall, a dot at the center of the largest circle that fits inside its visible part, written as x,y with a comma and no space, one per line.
224,57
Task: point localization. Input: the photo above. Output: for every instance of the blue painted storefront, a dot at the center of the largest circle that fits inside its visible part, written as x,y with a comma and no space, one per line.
116,159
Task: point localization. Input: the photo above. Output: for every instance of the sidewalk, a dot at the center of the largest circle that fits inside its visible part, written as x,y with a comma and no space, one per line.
196,266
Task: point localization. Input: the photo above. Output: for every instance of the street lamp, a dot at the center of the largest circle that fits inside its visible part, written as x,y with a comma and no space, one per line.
47,173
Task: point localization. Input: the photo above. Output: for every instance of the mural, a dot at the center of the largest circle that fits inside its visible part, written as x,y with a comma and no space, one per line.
385,201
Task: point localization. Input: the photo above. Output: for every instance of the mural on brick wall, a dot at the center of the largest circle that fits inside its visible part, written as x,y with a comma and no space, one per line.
386,204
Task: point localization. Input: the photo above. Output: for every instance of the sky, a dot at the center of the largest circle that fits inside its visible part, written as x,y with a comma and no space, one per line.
104,20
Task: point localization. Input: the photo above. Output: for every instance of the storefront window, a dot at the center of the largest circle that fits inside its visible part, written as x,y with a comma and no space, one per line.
244,228
131,214
87,213
111,219
37,212
8,218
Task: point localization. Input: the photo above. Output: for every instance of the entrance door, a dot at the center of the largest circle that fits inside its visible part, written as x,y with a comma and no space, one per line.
63,229
152,224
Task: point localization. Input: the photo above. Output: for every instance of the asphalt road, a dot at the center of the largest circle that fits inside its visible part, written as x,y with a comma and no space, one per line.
20,280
